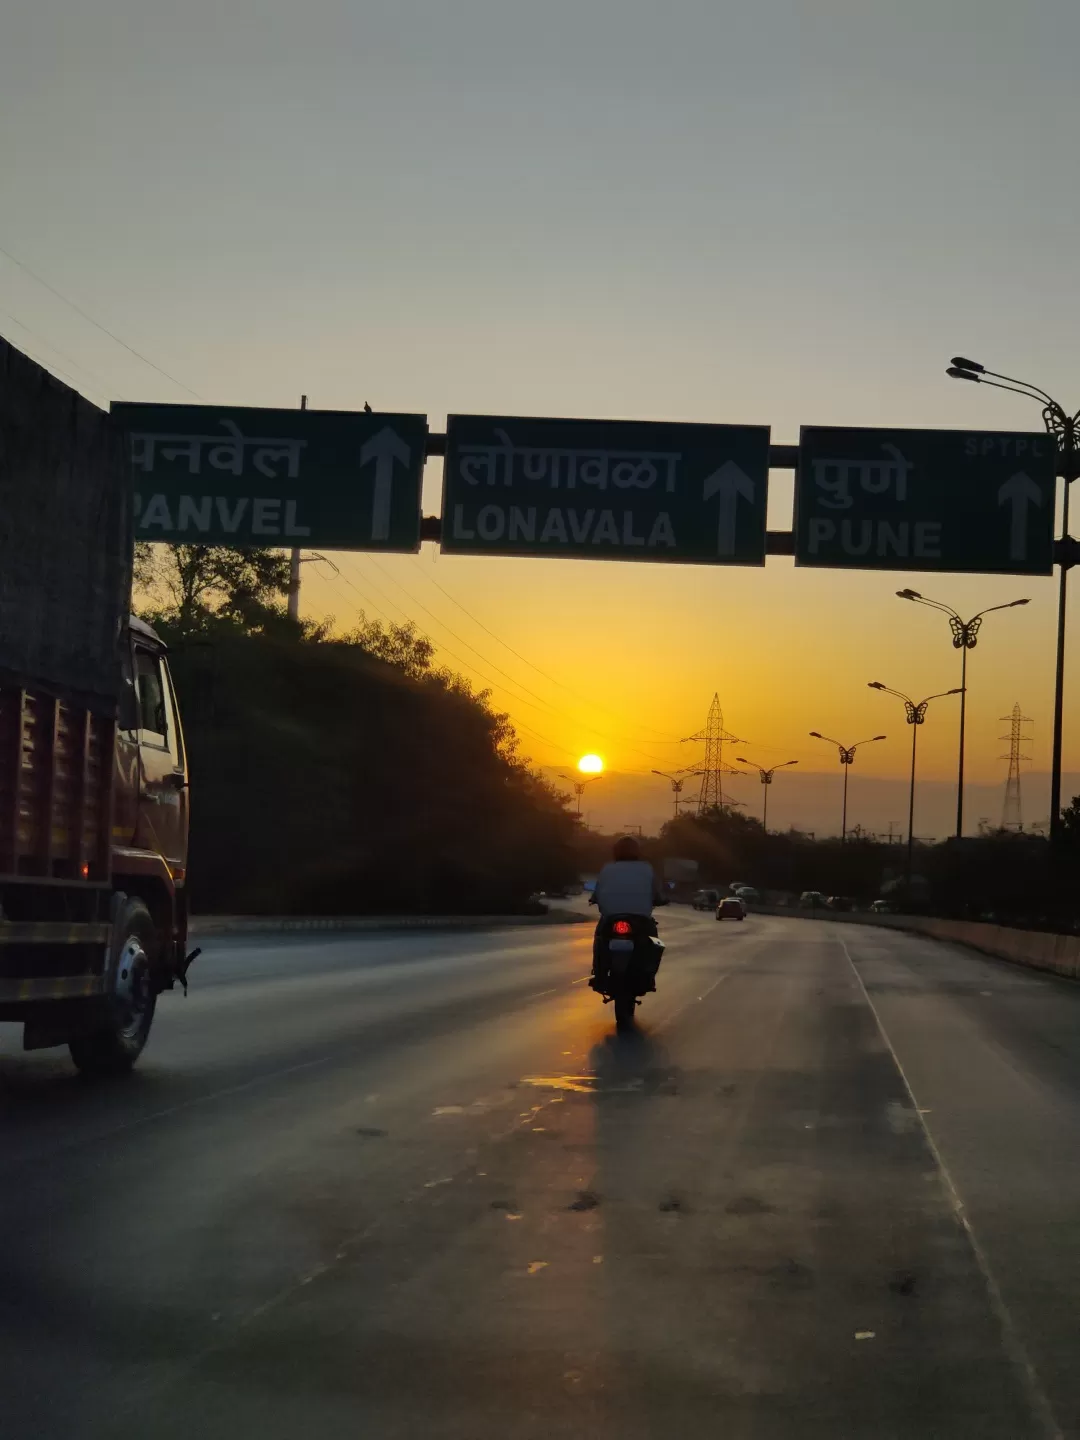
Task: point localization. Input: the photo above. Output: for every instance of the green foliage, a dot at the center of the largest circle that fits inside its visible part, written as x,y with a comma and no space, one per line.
331,778
1015,879
1070,823
196,589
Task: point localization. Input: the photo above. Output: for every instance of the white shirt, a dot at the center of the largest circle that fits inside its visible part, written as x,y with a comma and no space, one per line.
626,887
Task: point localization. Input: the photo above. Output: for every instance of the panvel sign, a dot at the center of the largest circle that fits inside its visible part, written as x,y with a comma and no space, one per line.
335,479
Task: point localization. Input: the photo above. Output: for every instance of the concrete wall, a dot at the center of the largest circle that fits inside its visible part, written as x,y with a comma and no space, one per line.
1034,948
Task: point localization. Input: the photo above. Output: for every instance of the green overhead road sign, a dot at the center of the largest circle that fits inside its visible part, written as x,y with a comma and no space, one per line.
953,500
336,479
605,490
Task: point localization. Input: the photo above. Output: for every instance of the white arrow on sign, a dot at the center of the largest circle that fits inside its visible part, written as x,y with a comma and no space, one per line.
384,448
1020,491
729,482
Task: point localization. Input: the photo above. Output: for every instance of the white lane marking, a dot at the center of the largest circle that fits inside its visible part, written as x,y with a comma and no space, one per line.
1038,1399
670,1019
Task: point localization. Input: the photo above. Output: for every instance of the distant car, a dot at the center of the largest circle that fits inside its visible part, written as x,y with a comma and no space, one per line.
841,902
812,900
881,907
748,895
731,908
705,899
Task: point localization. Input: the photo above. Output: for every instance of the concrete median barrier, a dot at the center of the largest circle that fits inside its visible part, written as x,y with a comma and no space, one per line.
206,925
1037,949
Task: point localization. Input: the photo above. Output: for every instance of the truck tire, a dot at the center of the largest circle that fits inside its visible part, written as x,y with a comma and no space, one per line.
113,1047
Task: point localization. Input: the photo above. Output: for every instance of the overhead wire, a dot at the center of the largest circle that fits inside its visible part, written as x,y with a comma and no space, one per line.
518,655
558,714
458,660
96,323
97,384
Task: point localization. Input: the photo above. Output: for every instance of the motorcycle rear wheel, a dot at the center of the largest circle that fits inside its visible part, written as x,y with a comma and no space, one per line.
625,1006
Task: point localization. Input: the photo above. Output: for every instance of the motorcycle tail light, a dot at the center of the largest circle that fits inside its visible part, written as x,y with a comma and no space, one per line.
622,927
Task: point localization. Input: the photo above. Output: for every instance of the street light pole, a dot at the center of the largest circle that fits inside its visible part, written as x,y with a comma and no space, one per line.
847,759
964,638
1064,428
915,714
676,784
579,787
766,780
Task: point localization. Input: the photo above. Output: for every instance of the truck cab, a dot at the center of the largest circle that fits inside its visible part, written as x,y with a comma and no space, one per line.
93,861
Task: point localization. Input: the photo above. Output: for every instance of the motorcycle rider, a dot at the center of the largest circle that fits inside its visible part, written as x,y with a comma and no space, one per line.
627,885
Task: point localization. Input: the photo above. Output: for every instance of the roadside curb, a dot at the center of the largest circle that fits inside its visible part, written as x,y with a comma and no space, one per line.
208,925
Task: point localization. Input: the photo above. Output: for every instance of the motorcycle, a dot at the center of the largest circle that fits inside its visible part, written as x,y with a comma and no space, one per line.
628,955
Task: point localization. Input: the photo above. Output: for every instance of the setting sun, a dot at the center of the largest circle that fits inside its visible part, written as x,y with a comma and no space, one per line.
590,765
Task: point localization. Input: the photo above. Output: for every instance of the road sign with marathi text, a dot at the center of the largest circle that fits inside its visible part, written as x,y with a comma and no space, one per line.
335,479
957,500
606,490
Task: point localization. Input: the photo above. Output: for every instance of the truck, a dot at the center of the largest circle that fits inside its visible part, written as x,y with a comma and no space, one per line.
94,786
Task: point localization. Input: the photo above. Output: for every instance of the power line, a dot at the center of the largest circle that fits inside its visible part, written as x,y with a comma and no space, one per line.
97,323
524,659
558,714
462,641
516,725
100,386
472,669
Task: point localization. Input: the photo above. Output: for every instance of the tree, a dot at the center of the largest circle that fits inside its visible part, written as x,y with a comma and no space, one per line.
399,645
1070,823
332,781
190,589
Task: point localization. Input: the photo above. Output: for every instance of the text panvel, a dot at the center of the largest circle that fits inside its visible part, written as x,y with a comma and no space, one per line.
203,514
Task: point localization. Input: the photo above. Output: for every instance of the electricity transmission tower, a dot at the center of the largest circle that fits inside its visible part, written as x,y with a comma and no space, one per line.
1012,815
713,770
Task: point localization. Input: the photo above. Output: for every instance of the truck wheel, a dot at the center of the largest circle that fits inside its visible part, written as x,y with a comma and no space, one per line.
113,1048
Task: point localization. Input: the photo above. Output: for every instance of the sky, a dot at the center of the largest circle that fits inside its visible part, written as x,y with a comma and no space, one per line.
783,213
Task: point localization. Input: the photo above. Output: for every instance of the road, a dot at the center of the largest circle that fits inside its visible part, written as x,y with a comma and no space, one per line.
412,1185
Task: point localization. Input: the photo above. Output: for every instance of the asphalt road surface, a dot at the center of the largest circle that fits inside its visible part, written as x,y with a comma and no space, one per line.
412,1185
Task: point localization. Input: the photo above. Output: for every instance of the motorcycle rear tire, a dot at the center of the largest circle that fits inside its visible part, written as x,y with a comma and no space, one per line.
625,1006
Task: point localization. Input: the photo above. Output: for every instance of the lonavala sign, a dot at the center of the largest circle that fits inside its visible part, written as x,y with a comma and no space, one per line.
605,489
335,479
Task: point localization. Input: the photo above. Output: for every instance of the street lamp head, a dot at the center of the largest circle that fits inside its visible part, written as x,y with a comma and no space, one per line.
956,373
962,364
879,737
817,735
1014,603
876,685
740,761
909,594
958,691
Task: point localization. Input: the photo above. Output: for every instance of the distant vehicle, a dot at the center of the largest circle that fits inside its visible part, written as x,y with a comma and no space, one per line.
737,885
748,895
705,899
841,902
881,907
731,908
813,900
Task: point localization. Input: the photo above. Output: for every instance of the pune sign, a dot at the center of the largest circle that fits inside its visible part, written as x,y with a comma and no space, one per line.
925,500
